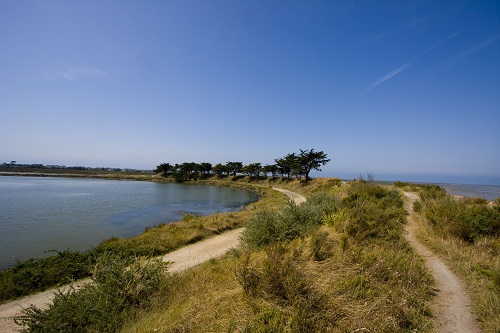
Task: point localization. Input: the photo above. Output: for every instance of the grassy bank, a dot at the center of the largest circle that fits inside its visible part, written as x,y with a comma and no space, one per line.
336,263
91,173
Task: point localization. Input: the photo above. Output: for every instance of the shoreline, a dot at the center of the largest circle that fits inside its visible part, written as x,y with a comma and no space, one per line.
154,225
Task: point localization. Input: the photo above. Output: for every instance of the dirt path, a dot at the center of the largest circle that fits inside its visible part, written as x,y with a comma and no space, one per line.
202,251
180,260
214,247
451,306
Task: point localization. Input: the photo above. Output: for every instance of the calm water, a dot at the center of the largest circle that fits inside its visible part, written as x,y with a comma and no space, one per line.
40,214
489,192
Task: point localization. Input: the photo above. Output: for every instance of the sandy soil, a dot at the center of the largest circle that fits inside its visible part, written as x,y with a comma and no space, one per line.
180,260
451,306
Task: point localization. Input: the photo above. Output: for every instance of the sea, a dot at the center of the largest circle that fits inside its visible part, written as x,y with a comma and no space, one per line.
488,192
39,214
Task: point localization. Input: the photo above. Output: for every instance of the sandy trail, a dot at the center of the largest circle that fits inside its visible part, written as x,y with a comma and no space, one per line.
180,260
214,247
451,306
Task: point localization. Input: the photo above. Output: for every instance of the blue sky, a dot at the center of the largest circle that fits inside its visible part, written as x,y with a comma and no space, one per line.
406,90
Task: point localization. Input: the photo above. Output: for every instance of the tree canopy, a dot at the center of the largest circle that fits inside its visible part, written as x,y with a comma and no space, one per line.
296,165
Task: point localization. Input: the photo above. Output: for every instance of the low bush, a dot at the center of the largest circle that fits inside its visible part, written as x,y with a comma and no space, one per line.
466,231
401,184
117,288
269,227
38,274
468,219
427,192
372,211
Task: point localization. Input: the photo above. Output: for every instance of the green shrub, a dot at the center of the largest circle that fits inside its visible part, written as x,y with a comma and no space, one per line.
427,192
468,219
373,211
283,225
325,202
39,274
476,221
117,288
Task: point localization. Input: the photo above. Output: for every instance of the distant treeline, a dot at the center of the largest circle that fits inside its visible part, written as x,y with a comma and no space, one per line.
295,165
14,165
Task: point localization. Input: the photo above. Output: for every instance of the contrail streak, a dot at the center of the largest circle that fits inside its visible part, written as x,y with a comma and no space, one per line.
388,76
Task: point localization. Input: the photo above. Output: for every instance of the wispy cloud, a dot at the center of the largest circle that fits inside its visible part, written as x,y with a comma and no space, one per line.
465,54
408,64
438,43
388,76
76,73
462,56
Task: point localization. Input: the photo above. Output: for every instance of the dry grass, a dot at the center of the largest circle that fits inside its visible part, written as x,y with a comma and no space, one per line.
205,299
370,288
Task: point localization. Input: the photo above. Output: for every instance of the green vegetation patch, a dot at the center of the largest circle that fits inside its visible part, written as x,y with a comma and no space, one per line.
117,289
468,219
35,275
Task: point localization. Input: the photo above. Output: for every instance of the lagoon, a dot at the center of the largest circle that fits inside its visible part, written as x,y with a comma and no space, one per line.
40,214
